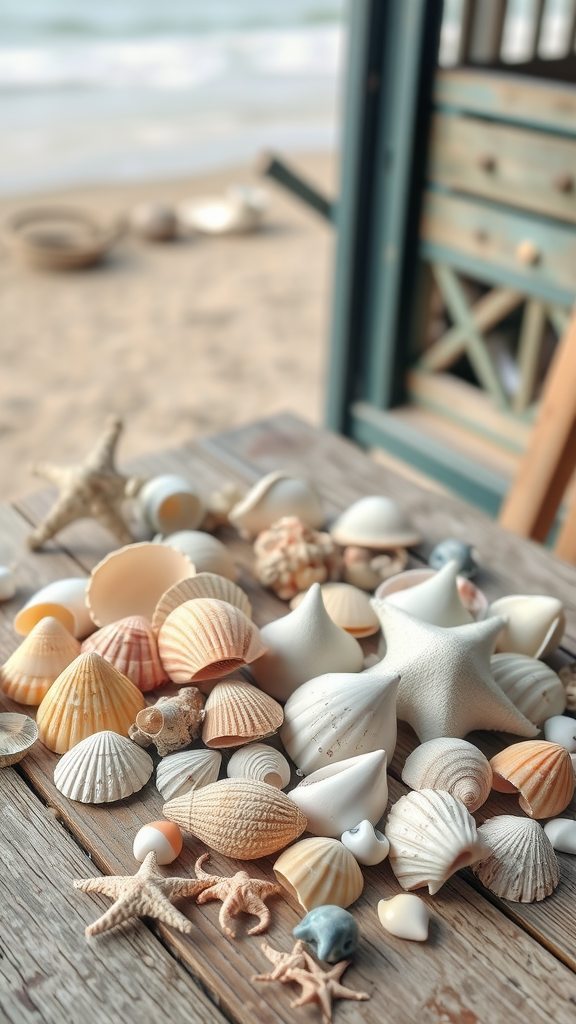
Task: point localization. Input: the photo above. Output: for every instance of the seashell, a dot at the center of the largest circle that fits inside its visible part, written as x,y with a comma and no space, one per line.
534,627
367,568
302,645
367,844
259,761
455,766
155,222
374,522
17,734
339,715
562,834
406,916
204,584
169,503
64,600
42,656
331,931
522,865
240,818
320,872
436,600
131,646
275,496
533,687
163,838
452,550
240,210
348,607
471,597
205,639
207,554
540,771
237,712
89,696
561,729
187,770
431,835
333,798
131,581
102,768
7,583
172,722
291,556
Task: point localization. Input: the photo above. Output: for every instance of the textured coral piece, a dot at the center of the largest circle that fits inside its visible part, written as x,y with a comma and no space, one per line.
172,723
239,894
452,765
540,771
131,646
204,584
102,768
522,865
291,556
237,712
38,661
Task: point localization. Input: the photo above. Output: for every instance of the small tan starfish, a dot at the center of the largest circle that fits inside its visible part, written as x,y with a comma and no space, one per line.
282,961
238,893
320,986
92,488
145,894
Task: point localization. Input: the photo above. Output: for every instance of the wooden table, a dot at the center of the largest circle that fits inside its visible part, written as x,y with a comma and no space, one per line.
485,960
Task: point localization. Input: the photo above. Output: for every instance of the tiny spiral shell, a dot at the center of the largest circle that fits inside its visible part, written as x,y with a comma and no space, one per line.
456,766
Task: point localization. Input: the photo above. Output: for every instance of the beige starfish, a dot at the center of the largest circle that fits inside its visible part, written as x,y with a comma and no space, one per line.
282,961
145,894
92,488
320,986
238,893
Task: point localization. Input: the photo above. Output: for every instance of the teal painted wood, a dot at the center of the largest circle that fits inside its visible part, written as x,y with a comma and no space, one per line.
278,169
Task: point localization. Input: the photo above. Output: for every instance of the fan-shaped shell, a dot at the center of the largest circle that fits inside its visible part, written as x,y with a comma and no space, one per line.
374,522
320,872
131,646
240,818
540,771
536,690
522,865
456,766
131,581
259,761
237,712
65,600
42,656
17,734
179,773
335,797
431,835
89,696
534,626
102,768
277,495
207,553
348,607
204,584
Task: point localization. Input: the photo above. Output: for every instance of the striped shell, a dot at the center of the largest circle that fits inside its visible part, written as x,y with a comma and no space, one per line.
261,762
456,766
348,607
536,690
179,773
131,646
17,734
320,872
102,768
42,656
240,818
204,584
237,712
540,771
522,865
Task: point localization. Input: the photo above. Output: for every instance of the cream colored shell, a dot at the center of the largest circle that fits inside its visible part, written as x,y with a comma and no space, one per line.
237,712
456,766
179,773
102,768
65,600
207,553
17,734
348,607
522,865
320,872
534,627
277,495
540,771
131,581
204,584
367,844
406,916
38,661
374,522
436,600
259,761
131,646
334,798
536,690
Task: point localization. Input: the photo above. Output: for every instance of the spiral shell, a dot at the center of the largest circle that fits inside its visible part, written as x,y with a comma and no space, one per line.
259,761
237,712
38,661
130,645
102,768
522,865
541,772
320,872
179,773
204,584
456,766
533,687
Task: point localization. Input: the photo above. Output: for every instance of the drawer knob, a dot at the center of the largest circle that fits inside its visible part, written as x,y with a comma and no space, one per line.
487,162
527,252
564,182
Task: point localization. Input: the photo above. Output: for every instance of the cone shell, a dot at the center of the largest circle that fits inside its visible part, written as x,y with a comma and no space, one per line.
131,581
534,624
131,646
320,872
240,818
259,761
536,690
180,773
88,696
522,865
205,584
348,607
206,639
456,766
102,768
541,772
237,712
42,656
431,835
17,734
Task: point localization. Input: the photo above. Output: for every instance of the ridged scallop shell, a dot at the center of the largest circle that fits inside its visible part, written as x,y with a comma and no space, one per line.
205,584
102,768
261,762
374,522
522,865
207,553
237,712
536,690
540,771
206,639
431,835
42,656
89,696
131,581
348,607
535,624
456,766
275,496
320,872
17,734
131,646
179,773
240,818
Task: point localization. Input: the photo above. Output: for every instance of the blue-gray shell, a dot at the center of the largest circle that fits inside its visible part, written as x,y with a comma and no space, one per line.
331,931
454,550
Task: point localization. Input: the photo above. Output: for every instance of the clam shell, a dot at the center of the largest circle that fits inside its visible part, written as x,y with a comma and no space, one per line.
320,872
275,496
42,656
179,773
131,581
261,762
240,818
102,768
207,553
335,797
534,627
522,865
204,584
535,689
131,646
540,771
64,600
89,696
169,503
431,835
348,607
237,712
374,522
436,600
456,766
17,734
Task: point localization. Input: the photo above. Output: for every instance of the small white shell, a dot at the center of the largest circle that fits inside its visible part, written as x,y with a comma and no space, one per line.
522,865
102,768
562,834
436,600
273,497
456,766
536,690
535,624
561,729
169,503
406,916
239,211
374,522
7,583
333,798
348,607
367,844
163,838
179,773
65,600
207,553
259,761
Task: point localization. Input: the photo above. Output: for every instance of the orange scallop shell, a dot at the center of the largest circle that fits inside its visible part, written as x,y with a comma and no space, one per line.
540,771
204,584
237,712
130,645
38,661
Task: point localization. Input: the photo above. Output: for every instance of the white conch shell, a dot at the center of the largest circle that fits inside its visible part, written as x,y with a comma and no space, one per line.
436,600
64,600
334,797
348,607
406,916
374,522
456,766
273,497
339,715
102,768
562,834
561,729
132,579
178,773
320,872
535,624
169,503
431,836
535,689
262,762
302,645
30,671
522,865
367,844
207,553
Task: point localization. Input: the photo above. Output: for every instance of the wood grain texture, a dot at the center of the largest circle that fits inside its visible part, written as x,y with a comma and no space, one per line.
499,96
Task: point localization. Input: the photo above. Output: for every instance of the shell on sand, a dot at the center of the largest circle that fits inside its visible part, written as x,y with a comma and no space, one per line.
522,865
204,584
320,872
131,646
17,734
237,712
179,773
131,581
259,761
30,671
456,766
536,690
102,768
348,607
540,771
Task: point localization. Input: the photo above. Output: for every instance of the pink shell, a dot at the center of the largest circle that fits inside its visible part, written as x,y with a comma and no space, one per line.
131,646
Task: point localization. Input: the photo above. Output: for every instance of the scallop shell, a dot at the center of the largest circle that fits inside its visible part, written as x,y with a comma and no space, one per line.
237,712
535,689
320,872
348,607
207,553
131,646
240,818
374,522
522,865
179,773
64,600
88,696
534,627
456,766
436,600
431,835
42,656
102,768
261,762
275,496
335,797
540,771
131,581
206,639
17,734
204,584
